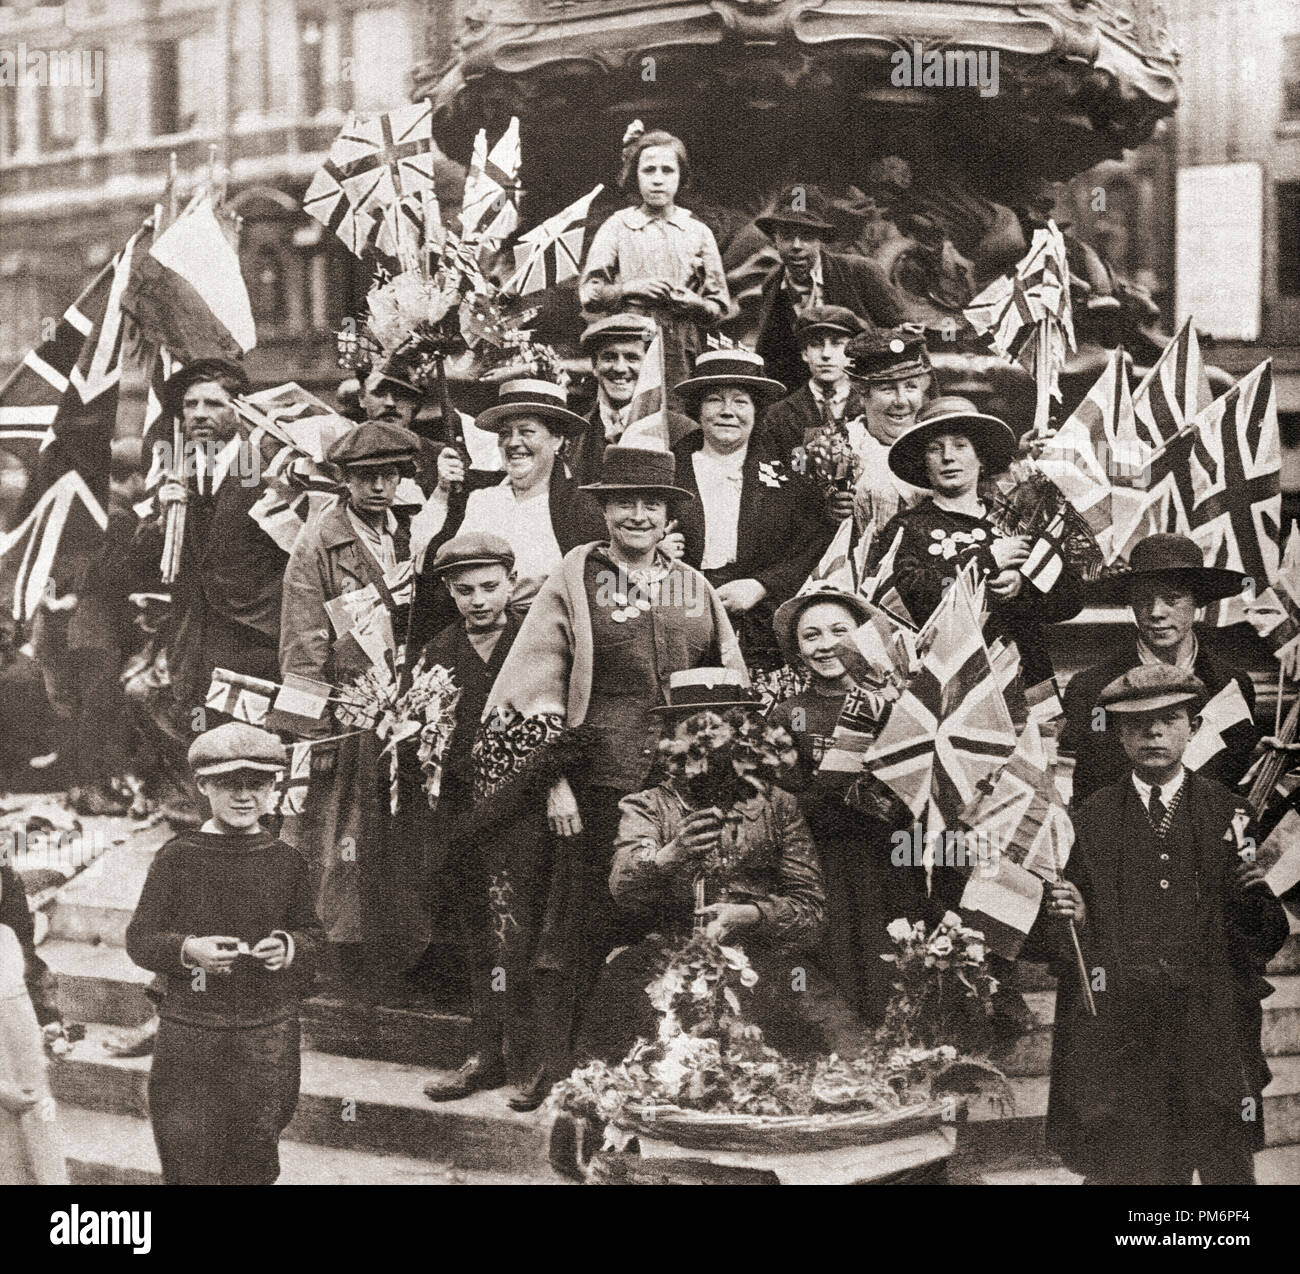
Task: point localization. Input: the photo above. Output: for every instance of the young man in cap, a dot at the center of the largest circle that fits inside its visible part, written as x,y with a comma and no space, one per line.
808,276
1166,585
372,894
226,916
949,450
478,569
1176,925
617,346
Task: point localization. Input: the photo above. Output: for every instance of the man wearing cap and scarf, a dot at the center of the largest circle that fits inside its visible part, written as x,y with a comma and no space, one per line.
616,345
809,276
1166,584
225,609
950,449
1176,925
354,560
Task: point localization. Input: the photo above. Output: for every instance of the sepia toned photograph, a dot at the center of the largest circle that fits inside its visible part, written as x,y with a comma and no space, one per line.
650,592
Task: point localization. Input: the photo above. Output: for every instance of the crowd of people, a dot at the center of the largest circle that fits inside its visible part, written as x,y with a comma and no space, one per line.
590,599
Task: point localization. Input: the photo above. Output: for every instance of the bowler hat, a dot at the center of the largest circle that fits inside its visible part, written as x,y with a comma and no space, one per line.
473,548
785,622
734,365
801,207
826,318
1150,687
195,373
394,371
374,444
639,469
992,438
235,746
541,398
617,327
886,356
1176,557
699,689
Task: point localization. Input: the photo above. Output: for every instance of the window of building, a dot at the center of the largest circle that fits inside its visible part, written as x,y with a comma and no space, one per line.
381,41
311,69
165,87
10,137
1288,238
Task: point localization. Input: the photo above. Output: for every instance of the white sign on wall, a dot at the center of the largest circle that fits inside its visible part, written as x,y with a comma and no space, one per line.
1219,254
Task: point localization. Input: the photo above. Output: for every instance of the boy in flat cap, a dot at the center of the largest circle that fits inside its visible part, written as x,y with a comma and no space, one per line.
1176,926
227,917
478,569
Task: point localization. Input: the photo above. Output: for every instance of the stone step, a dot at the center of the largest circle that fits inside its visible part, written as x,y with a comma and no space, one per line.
97,905
990,1135
109,1149
346,1103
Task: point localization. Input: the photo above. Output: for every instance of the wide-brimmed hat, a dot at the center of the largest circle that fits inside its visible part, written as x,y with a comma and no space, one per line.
701,689
888,356
617,327
826,318
174,387
1174,556
541,398
639,469
1151,687
715,368
992,438
802,207
785,623
374,444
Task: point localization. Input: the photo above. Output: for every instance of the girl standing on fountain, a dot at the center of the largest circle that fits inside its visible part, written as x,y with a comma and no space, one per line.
657,258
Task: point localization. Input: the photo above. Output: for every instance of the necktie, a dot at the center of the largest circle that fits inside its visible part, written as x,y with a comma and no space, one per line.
1156,810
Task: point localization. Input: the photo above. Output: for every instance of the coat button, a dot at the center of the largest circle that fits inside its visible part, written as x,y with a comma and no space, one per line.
1164,884
1164,858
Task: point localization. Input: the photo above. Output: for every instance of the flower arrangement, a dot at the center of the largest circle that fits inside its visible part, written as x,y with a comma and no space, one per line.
943,990
829,457
425,711
724,758
1025,501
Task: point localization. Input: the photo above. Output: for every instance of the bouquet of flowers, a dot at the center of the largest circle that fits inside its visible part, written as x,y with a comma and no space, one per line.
424,711
943,990
1025,501
830,458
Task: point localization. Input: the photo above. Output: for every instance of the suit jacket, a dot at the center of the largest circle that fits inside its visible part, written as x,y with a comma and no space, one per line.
1097,1076
1099,758
782,533
586,452
855,282
785,423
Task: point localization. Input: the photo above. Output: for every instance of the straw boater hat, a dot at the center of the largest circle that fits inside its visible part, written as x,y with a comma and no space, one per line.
541,398
1151,687
706,689
889,356
617,327
639,469
374,444
800,207
785,623
715,368
174,387
992,438
1176,557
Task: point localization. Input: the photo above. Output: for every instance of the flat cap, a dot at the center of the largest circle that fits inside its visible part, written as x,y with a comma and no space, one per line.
1151,687
827,318
474,548
373,444
617,327
235,746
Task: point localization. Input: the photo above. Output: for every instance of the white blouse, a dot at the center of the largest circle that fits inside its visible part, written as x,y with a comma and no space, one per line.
720,480
525,523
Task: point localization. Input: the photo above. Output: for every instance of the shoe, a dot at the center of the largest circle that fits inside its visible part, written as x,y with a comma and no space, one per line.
136,1043
475,1073
531,1095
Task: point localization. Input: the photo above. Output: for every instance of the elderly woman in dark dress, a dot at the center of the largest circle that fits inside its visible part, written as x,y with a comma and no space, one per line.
567,732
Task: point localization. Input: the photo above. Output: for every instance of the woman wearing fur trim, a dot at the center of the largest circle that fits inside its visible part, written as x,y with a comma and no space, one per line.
569,730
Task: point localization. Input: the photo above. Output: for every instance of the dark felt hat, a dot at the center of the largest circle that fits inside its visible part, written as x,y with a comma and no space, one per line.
799,207
174,387
886,356
707,689
1151,687
639,469
393,371
474,548
991,437
826,318
1176,557
372,445
541,398
715,368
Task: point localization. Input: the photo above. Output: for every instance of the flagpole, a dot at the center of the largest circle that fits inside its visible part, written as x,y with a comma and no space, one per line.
1043,379
1080,964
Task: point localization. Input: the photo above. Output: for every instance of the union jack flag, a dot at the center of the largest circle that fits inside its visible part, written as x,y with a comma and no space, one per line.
490,207
552,252
293,783
1173,391
951,727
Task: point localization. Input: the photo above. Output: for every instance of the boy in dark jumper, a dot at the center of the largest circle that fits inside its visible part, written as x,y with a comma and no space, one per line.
479,571
226,916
